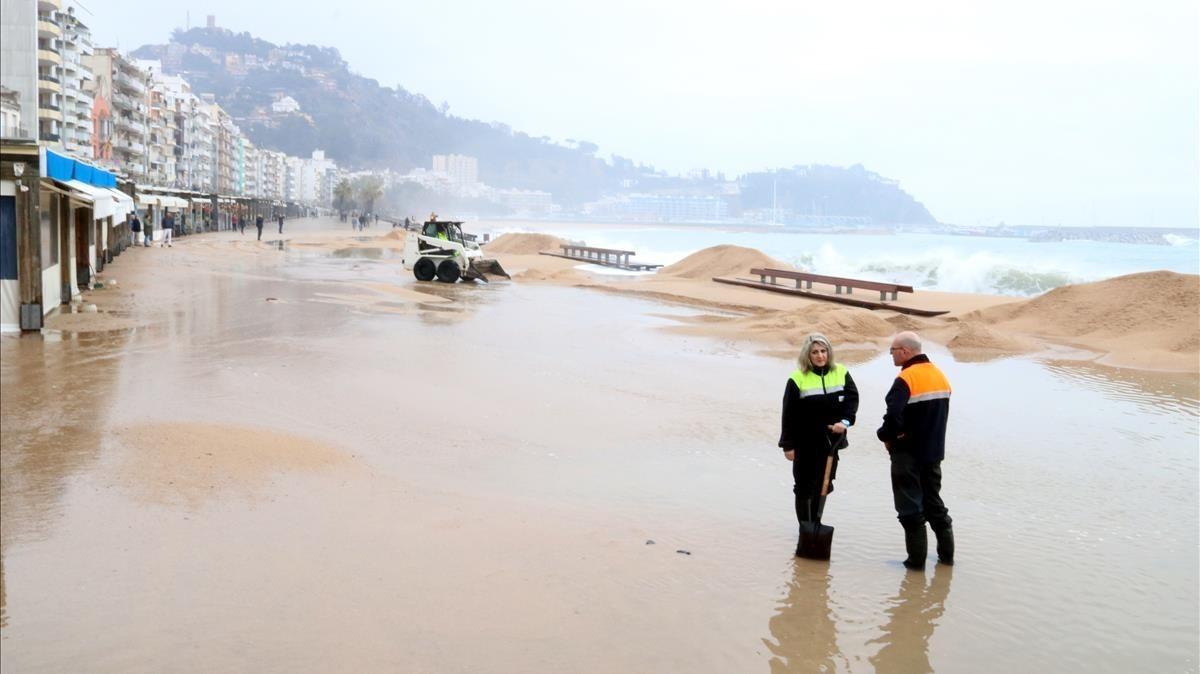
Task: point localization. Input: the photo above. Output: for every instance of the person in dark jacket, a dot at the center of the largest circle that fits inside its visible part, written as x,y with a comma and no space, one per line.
258,223
820,402
135,227
914,432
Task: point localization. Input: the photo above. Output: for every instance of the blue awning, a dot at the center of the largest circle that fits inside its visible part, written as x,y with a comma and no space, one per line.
64,168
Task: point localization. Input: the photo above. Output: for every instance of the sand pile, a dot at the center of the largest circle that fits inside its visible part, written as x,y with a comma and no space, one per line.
842,325
969,335
520,243
396,235
1141,318
723,260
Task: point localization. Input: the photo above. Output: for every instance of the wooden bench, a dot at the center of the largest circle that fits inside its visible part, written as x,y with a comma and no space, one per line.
609,257
837,282
603,255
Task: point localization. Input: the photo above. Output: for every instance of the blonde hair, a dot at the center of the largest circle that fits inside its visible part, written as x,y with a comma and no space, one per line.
804,362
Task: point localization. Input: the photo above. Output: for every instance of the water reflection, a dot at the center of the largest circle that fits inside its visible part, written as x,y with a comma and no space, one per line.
1154,392
912,618
803,626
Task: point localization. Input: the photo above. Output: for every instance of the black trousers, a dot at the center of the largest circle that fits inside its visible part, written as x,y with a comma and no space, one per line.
808,474
917,491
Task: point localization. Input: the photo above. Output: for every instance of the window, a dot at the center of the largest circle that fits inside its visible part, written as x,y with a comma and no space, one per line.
49,213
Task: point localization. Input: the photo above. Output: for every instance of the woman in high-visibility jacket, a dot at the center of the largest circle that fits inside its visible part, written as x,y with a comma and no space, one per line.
819,405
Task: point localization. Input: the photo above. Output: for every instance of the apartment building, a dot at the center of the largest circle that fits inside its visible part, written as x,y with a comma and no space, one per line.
20,68
460,168
123,84
76,78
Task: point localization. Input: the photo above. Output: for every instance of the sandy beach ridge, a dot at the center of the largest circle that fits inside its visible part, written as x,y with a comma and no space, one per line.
1148,320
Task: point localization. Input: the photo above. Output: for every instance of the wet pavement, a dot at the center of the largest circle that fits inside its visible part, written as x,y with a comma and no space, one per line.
305,460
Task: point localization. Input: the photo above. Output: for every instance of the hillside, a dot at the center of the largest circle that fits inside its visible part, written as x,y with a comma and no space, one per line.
361,124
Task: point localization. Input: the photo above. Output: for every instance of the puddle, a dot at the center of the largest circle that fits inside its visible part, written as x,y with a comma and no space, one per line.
367,253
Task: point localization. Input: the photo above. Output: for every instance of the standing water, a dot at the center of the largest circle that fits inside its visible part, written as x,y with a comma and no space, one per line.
528,478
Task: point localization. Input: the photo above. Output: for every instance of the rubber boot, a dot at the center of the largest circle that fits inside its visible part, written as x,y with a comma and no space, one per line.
807,510
945,544
804,514
916,543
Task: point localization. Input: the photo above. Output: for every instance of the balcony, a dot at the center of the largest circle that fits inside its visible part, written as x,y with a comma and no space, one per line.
48,84
47,57
130,83
123,102
129,147
129,125
49,5
48,27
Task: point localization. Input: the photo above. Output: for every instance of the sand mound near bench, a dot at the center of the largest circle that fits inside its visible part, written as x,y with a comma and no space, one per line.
521,243
723,260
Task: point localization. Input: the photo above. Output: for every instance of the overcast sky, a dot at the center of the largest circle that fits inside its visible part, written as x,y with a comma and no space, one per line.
1027,111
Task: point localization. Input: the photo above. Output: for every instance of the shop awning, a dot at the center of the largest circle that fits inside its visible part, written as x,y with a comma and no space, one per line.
99,197
65,168
124,203
147,200
172,202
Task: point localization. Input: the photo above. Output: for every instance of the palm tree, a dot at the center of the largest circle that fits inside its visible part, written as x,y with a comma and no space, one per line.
370,189
343,197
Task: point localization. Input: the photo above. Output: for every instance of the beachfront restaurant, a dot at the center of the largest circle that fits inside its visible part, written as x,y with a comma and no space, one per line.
57,224
84,204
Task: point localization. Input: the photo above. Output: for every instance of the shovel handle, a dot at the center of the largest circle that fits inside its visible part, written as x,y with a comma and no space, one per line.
828,470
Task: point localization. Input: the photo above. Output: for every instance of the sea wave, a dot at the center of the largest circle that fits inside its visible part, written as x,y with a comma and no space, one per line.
1180,241
946,270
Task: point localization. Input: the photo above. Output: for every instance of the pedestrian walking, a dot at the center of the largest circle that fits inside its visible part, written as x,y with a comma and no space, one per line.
914,433
148,229
135,227
820,401
168,225
258,224
281,223
241,223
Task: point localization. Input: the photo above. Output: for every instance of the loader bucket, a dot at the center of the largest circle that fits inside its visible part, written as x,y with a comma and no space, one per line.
481,266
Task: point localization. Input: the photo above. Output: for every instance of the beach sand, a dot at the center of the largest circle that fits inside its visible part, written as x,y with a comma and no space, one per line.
291,456
1149,320
1142,320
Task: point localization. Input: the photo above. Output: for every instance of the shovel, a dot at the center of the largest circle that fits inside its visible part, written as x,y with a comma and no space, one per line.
816,539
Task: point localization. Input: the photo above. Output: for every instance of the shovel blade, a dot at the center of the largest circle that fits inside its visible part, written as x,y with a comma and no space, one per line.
480,267
816,541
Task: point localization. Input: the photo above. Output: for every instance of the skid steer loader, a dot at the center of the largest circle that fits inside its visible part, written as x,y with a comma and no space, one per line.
439,250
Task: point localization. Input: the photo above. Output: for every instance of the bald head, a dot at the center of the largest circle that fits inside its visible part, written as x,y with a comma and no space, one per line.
905,346
908,340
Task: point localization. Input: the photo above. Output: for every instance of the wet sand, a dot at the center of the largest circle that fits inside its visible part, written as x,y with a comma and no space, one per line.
302,460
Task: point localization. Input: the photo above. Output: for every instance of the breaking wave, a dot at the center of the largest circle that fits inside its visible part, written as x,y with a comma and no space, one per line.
947,270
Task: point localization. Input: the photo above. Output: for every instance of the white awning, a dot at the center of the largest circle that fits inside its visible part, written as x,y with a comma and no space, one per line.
124,203
147,200
172,202
100,198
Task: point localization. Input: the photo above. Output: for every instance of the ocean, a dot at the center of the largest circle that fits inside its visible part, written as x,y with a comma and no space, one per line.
969,264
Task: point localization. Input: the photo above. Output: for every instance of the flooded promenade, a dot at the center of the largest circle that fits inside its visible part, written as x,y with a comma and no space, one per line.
290,456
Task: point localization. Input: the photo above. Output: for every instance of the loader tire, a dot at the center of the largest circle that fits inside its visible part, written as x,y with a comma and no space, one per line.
448,271
424,269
